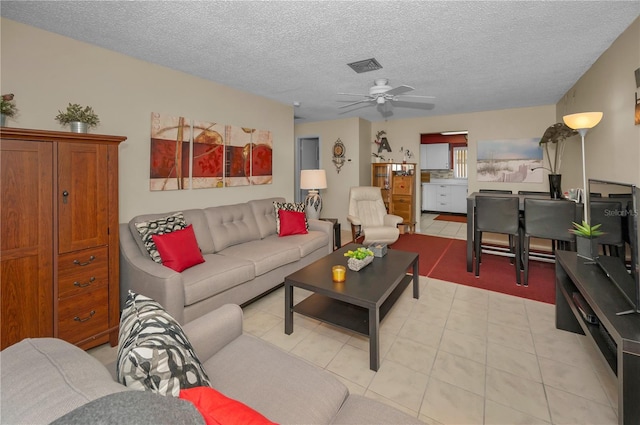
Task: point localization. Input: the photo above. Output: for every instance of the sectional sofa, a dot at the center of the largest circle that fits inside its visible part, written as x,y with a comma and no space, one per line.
48,379
244,258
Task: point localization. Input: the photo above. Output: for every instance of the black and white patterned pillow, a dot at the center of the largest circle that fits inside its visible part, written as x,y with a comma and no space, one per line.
159,226
289,206
154,353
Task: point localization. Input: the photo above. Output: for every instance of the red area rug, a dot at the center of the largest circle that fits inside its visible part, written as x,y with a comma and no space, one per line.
451,217
445,259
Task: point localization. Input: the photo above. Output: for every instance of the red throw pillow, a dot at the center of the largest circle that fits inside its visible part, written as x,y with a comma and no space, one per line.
292,223
179,249
218,409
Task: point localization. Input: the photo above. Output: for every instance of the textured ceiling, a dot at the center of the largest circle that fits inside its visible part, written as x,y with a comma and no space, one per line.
470,55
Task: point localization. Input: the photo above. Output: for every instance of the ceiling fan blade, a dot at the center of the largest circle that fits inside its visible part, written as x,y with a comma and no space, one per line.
416,96
355,103
398,90
415,105
353,94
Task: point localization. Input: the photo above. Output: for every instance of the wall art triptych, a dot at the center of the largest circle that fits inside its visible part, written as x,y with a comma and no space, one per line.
190,154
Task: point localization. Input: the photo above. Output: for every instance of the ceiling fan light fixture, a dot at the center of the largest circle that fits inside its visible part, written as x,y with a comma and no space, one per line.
380,100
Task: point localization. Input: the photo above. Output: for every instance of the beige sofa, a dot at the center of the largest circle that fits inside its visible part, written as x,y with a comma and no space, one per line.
244,258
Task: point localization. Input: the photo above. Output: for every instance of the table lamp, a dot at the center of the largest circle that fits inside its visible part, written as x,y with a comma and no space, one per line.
314,180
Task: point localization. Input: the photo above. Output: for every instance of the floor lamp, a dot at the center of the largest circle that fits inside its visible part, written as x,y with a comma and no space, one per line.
314,180
583,122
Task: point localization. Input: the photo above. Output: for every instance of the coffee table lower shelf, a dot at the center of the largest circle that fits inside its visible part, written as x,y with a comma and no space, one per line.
344,314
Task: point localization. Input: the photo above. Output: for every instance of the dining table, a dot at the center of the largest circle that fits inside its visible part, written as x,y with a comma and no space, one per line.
471,206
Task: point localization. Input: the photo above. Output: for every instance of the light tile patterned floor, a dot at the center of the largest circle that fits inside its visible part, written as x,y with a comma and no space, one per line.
457,355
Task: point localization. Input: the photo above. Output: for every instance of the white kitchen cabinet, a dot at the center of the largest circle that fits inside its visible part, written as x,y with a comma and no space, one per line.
436,156
429,197
444,197
459,199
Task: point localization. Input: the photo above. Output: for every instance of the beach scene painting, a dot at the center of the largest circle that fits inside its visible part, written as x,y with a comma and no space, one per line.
510,161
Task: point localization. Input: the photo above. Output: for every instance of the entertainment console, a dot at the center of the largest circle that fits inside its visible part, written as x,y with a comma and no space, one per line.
617,337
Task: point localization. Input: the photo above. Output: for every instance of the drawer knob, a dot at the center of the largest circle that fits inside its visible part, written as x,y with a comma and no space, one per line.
77,319
84,285
85,263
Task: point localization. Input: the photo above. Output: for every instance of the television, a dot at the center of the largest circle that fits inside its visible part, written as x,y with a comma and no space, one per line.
615,205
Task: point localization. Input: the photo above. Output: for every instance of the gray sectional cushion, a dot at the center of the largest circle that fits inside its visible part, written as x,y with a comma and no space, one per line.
265,215
64,375
362,410
266,254
231,225
217,274
282,387
306,244
133,407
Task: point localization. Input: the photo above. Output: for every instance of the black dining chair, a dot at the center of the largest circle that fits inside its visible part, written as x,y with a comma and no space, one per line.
532,192
496,191
548,219
498,215
612,217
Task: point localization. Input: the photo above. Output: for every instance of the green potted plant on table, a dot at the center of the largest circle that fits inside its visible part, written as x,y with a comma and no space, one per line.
78,118
7,108
587,239
359,258
555,135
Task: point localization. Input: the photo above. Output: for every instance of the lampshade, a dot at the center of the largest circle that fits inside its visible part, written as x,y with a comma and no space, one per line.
582,120
313,179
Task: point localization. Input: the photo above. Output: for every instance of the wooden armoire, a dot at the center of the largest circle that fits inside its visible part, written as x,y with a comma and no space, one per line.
59,254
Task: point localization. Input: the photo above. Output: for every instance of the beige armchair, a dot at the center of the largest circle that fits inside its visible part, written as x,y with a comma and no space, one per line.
368,216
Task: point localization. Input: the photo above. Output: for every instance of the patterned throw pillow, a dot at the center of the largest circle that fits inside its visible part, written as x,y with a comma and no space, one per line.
289,206
159,226
154,353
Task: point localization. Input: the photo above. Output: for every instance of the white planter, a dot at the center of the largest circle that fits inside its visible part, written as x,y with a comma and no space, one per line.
357,265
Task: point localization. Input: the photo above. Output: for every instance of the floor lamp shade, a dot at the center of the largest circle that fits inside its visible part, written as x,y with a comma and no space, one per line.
582,122
313,180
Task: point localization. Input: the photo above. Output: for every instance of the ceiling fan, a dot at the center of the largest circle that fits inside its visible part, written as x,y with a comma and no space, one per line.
381,92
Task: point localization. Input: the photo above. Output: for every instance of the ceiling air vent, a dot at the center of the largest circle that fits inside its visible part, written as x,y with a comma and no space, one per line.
365,65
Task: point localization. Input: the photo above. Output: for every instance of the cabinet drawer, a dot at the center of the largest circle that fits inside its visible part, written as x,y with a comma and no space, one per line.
402,207
402,185
83,316
79,271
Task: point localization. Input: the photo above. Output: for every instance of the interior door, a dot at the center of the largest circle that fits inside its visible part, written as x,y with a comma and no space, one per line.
308,159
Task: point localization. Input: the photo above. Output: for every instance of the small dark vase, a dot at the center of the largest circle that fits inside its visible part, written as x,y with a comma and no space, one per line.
554,186
587,247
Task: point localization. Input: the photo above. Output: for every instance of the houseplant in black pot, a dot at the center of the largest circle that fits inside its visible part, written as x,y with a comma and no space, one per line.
78,118
555,135
587,239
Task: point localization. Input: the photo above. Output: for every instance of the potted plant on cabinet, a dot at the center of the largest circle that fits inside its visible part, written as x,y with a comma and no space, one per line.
7,108
555,135
587,239
78,118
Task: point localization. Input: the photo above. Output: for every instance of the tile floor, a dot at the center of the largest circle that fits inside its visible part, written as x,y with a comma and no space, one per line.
457,355
445,229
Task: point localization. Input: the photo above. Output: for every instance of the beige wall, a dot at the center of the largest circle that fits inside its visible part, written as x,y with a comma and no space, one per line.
489,125
612,148
350,131
47,71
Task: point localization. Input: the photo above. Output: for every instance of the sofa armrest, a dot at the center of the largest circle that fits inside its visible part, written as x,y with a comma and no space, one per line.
325,227
140,274
211,332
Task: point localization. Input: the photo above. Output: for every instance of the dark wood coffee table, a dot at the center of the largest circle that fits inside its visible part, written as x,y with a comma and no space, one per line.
359,303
